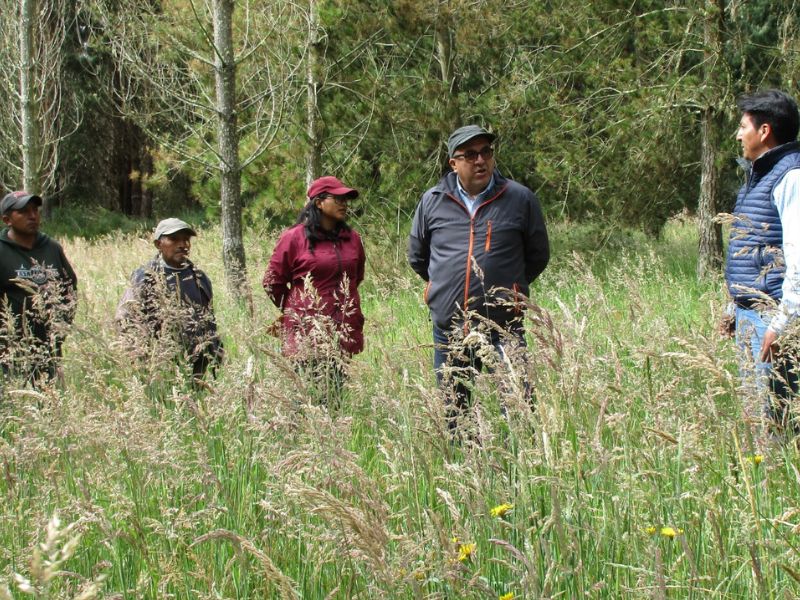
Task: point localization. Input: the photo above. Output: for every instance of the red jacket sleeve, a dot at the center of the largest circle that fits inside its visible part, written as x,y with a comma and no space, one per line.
362,261
279,272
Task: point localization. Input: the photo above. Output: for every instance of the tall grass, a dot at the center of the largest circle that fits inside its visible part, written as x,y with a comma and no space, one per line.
632,476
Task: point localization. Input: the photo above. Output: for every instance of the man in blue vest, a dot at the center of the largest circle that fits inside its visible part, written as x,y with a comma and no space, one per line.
762,268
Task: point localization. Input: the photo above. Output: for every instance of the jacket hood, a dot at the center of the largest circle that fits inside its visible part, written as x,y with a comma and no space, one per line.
41,239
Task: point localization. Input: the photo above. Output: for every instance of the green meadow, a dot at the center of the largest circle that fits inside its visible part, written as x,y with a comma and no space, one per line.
633,475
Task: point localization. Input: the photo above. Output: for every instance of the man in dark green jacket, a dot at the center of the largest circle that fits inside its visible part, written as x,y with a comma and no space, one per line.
37,291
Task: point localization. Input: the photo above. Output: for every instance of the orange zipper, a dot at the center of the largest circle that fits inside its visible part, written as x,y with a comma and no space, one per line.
488,236
472,243
469,260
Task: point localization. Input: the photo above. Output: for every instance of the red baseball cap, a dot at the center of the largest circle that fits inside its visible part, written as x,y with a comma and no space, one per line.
330,185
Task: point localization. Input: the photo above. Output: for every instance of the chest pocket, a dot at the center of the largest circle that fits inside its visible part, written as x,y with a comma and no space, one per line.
499,233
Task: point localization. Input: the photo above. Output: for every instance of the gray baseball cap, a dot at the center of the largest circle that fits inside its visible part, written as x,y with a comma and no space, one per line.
170,226
18,200
464,134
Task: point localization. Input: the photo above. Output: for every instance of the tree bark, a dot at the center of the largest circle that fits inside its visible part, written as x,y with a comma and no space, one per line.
709,257
233,256
444,55
40,121
313,84
30,142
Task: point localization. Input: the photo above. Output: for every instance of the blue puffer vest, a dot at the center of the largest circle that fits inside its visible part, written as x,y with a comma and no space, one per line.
754,268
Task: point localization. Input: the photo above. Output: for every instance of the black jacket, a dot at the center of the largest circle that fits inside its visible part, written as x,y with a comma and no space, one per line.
463,258
37,287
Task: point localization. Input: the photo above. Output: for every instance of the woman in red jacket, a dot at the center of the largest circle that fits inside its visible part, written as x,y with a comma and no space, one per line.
313,277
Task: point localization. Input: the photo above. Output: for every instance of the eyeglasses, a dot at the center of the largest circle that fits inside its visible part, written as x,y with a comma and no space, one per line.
340,200
486,152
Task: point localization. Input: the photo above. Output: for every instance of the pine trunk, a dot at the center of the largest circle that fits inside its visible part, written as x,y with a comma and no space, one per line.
30,142
313,83
444,55
233,255
709,257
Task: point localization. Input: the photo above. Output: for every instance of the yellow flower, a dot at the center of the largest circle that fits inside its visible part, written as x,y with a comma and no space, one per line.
465,552
756,459
650,530
500,510
670,532
508,596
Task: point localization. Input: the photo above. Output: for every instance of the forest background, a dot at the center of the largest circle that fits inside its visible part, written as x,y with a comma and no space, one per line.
632,476
616,113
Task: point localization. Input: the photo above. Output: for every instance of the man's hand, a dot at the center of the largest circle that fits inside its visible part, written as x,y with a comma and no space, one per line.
727,326
768,346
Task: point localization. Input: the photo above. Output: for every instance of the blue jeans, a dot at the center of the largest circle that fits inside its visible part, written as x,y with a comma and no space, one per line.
456,364
775,384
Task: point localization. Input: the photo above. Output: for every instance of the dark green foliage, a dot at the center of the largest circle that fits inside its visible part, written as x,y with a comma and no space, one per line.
91,222
94,222
597,107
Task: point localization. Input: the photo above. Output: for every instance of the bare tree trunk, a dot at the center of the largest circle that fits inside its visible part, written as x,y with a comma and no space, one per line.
313,83
146,205
444,55
28,112
233,256
40,120
790,50
709,257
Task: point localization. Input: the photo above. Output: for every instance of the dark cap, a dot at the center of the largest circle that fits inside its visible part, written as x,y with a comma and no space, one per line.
170,226
330,185
18,200
464,134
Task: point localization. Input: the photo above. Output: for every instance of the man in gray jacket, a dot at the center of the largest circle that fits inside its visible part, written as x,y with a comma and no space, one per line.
478,240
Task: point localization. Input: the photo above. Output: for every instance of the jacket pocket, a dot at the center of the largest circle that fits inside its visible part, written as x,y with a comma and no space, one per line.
768,260
488,245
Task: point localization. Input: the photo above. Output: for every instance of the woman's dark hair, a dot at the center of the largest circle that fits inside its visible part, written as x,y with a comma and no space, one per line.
311,217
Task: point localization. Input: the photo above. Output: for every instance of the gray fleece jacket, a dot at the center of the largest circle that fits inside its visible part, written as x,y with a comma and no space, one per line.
463,258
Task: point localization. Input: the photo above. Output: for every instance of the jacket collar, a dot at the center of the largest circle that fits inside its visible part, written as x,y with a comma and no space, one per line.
40,238
765,162
158,264
449,183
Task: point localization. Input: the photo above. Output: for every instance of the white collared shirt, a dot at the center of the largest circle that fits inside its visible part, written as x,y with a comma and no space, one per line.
470,202
786,197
